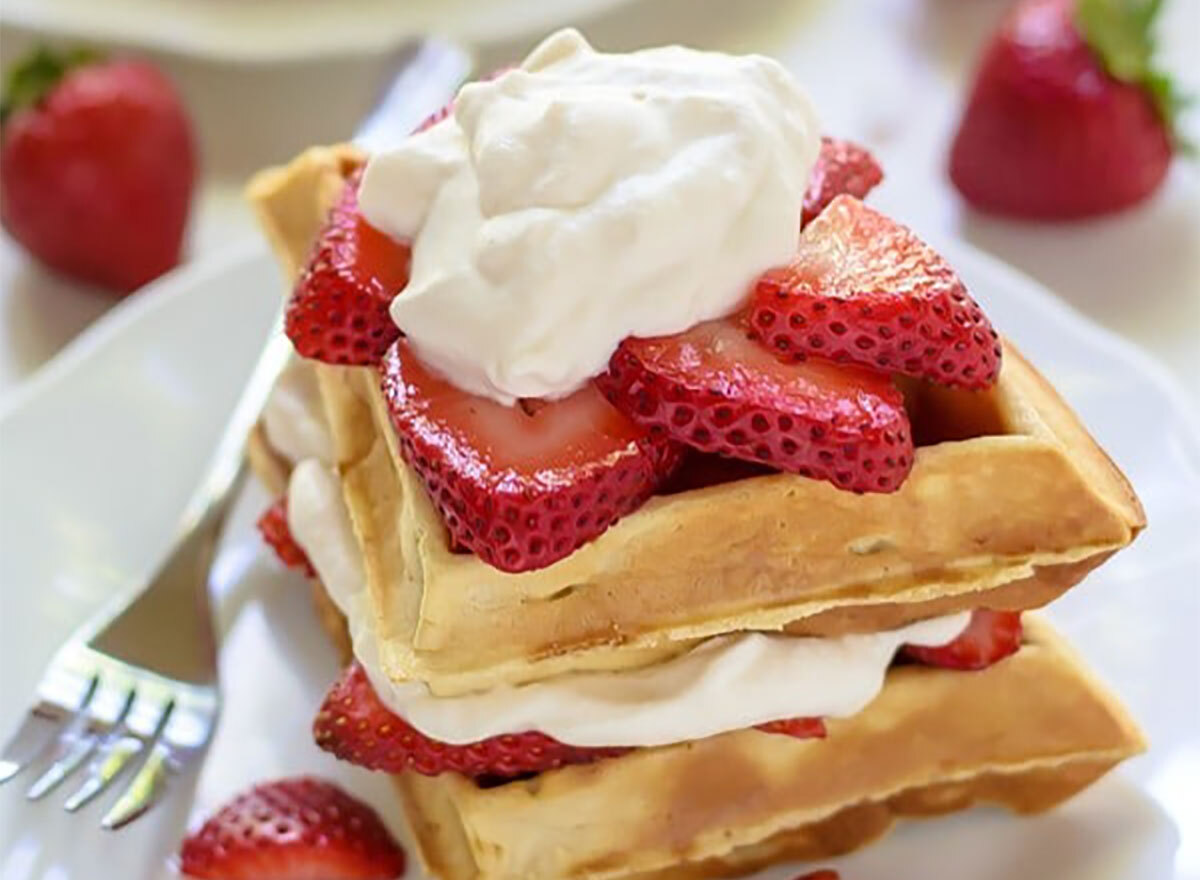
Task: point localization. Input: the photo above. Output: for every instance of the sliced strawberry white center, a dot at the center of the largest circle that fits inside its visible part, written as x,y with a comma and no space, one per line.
521,486
717,391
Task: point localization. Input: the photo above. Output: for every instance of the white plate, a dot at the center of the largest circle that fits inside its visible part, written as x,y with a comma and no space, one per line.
97,454
276,30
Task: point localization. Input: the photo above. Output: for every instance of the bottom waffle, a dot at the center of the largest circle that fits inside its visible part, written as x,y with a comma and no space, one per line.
1026,734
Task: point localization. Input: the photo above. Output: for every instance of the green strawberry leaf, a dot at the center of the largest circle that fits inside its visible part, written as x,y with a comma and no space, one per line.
1121,33
33,77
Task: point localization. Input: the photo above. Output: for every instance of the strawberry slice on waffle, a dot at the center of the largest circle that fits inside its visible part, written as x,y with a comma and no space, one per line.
521,486
864,289
338,312
273,526
989,637
843,168
715,390
354,725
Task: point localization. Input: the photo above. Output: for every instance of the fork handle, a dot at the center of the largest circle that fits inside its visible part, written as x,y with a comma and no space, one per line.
227,467
168,626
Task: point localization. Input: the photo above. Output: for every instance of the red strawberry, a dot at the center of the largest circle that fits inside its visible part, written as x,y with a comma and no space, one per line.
273,526
715,390
521,486
990,636
863,289
96,168
355,726
338,312
843,167
800,728
1067,118
293,829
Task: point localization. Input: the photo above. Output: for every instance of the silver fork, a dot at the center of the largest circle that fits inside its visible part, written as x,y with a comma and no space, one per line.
138,682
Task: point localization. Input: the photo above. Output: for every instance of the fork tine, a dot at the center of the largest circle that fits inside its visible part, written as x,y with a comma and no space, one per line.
31,739
114,751
39,730
74,747
147,786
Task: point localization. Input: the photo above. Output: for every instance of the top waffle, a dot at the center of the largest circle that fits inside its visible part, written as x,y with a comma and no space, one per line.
1009,502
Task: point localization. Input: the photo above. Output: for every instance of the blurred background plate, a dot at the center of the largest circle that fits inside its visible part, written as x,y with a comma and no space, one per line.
277,30
98,451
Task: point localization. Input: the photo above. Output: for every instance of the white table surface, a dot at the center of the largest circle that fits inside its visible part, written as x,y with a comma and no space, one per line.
890,73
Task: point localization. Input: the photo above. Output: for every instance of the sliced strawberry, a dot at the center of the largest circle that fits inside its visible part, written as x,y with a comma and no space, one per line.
863,289
800,728
338,312
273,526
843,167
521,486
715,390
356,726
990,636
293,829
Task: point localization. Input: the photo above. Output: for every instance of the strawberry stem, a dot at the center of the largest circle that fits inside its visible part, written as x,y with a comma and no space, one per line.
1120,32
34,76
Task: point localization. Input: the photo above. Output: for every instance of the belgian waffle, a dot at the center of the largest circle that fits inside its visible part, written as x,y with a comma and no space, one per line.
1010,503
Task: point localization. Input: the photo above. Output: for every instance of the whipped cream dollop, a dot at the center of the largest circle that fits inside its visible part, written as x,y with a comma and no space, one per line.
724,683
586,197
292,417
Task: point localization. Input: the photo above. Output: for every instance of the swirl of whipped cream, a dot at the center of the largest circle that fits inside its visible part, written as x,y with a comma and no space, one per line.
586,197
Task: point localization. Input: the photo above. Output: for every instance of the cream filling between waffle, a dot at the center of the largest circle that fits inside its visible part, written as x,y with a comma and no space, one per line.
726,683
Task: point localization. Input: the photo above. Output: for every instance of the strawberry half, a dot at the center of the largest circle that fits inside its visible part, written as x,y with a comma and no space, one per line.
521,486
293,829
355,726
989,637
843,168
864,289
273,526
715,390
338,312
1067,116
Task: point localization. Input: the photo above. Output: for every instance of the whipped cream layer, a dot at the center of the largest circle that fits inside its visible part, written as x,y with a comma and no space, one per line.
725,683
292,417
586,197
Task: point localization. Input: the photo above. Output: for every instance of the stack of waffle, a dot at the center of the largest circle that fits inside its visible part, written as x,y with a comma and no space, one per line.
1009,503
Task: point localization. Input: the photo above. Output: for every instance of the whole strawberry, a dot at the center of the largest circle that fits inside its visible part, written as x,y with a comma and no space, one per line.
1067,117
97,165
293,829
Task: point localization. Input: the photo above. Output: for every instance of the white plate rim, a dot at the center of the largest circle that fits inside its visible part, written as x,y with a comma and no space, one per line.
221,30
